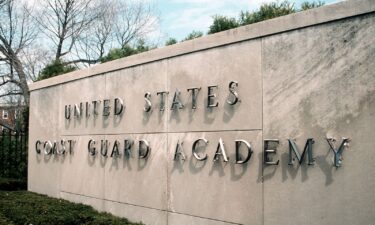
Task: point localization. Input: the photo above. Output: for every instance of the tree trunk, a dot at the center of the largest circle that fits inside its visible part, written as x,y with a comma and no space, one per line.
17,65
59,49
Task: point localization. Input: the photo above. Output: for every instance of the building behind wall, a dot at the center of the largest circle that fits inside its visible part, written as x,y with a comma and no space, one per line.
9,114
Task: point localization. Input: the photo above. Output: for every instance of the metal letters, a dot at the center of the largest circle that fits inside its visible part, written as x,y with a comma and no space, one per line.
177,101
194,95
179,152
84,108
220,152
239,159
119,106
232,86
338,153
148,106
96,104
62,148
211,97
106,107
91,147
78,110
58,147
268,151
71,143
162,99
144,149
67,112
48,148
87,109
104,147
128,143
194,149
37,146
115,150
243,148
308,147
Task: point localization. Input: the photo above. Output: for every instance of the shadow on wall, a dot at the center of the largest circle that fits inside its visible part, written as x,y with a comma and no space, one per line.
194,166
323,162
210,114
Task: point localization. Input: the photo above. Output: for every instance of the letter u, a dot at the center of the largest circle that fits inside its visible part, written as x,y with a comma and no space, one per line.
67,111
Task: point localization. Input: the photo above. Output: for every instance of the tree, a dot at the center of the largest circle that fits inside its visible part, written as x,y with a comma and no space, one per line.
133,20
55,68
35,58
96,40
171,41
310,5
267,11
222,23
83,31
78,32
193,34
116,29
141,46
17,32
126,50
63,21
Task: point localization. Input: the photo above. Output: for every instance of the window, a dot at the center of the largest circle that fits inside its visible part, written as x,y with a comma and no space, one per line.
5,114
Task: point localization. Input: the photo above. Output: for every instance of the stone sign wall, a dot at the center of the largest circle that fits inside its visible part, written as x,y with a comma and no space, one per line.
232,128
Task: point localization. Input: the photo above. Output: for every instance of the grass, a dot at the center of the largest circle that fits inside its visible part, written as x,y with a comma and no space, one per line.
23,207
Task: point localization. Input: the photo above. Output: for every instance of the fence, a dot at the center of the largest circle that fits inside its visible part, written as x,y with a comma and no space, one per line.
13,154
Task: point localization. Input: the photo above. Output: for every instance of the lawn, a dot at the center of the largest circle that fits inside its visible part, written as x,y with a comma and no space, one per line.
23,207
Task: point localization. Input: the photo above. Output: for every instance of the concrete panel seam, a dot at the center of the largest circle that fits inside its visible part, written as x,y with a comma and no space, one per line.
261,80
167,128
207,218
109,200
161,132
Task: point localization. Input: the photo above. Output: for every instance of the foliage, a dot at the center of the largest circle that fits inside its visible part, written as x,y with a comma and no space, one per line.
22,207
193,34
78,32
310,5
117,53
13,155
55,68
171,41
265,12
141,46
11,184
221,23
125,51
24,119
4,220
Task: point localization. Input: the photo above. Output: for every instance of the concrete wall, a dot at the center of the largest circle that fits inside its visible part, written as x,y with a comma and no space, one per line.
306,75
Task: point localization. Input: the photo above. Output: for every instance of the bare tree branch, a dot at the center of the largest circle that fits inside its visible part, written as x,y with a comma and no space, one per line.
15,34
79,32
11,93
89,61
64,21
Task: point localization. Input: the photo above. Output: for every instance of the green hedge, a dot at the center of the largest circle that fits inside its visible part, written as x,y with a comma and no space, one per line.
13,155
23,207
9,184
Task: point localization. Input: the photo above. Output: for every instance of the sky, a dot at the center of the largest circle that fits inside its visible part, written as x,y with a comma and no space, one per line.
179,17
